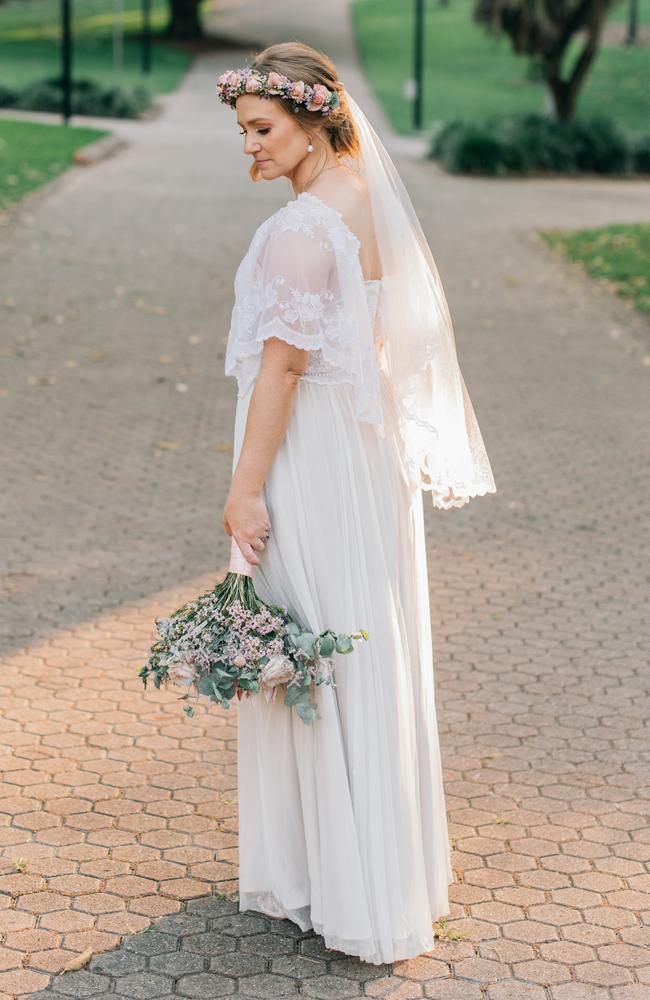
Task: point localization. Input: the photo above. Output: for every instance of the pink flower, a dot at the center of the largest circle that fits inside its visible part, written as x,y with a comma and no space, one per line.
275,82
253,85
319,97
239,661
298,90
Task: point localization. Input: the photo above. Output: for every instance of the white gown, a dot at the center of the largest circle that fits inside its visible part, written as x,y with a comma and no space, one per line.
342,823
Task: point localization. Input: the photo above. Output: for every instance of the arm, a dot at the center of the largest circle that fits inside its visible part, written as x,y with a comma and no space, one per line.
295,267
245,515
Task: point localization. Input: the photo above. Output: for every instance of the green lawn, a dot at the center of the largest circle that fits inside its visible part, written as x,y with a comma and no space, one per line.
470,74
620,254
32,154
30,44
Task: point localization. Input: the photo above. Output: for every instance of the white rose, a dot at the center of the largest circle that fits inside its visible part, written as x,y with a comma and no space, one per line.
181,673
278,670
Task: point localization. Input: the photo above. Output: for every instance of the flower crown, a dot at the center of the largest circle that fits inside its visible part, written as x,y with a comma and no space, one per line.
316,97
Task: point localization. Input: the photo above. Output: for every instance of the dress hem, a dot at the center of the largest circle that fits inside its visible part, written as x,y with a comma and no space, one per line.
266,903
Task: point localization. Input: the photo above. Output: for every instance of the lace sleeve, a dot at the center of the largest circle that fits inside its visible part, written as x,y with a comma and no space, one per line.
297,300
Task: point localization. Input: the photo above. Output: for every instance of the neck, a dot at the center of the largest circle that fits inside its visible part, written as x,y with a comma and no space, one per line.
310,167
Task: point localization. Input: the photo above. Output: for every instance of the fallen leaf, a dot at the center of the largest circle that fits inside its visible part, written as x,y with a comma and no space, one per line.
78,961
168,445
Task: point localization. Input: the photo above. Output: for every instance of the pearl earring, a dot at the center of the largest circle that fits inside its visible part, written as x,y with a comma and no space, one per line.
310,148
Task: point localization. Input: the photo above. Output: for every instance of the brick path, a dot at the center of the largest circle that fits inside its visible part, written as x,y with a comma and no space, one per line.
117,813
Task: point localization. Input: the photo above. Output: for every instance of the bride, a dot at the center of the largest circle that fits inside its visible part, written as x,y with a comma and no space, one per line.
350,404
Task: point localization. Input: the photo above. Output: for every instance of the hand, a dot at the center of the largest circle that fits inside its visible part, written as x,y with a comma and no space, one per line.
245,516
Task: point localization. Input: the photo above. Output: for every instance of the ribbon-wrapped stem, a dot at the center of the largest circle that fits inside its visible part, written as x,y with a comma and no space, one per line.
238,561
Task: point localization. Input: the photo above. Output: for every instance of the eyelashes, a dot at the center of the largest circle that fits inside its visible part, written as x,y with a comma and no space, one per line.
262,131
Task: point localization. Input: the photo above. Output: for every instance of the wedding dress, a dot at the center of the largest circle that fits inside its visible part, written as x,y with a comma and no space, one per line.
342,823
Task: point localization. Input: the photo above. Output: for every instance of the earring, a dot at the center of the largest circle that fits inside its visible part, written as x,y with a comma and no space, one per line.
310,148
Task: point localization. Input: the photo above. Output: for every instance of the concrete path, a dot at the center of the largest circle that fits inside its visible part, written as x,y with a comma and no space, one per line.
116,811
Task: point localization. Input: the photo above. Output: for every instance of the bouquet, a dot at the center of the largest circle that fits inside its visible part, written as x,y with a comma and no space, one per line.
227,643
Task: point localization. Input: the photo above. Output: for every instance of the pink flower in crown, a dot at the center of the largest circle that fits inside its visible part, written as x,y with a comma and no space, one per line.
275,82
319,97
224,78
298,90
233,77
253,85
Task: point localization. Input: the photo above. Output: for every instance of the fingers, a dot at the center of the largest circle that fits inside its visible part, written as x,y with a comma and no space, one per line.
247,551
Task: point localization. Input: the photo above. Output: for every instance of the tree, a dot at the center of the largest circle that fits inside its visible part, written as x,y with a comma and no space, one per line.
546,28
184,20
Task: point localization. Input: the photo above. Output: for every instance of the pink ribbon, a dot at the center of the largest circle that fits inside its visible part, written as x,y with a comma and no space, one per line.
238,561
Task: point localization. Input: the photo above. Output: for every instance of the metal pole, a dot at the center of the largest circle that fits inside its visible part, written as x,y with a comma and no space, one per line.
632,23
118,39
66,65
146,36
418,63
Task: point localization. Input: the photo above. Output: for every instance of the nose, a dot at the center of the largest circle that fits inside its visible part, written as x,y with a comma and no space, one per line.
252,144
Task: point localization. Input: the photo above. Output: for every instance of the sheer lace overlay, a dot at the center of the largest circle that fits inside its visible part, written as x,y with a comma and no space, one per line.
301,281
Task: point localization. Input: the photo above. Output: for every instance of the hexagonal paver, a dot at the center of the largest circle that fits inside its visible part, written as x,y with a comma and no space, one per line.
236,963
205,985
80,984
300,966
151,942
209,943
142,985
267,944
330,988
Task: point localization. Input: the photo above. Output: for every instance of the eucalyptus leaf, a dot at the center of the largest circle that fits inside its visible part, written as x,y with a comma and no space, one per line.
326,645
343,643
305,642
296,694
308,712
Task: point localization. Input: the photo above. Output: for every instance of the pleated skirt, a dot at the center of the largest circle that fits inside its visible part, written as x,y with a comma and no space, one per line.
342,823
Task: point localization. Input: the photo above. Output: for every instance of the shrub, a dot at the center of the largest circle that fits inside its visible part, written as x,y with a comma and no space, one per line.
535,143
641,154
87,98
7,96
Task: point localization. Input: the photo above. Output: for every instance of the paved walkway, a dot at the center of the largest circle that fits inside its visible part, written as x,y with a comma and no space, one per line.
117,813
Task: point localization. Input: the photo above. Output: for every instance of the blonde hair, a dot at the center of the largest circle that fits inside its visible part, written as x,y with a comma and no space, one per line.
298,61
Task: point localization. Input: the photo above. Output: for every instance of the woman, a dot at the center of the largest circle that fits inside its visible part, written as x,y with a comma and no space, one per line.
350,403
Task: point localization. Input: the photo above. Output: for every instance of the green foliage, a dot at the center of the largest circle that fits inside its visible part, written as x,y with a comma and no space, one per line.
87,98
618,255
641,154
469,75
535,143
30,44
32,154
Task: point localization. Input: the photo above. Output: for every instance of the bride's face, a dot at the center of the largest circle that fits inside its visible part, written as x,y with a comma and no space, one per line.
275,141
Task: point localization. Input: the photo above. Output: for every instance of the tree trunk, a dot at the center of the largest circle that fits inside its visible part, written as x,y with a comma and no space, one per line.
184,21
565,92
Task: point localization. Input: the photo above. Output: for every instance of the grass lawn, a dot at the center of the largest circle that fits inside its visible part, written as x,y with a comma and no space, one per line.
470,74
31,154
30,44
618,254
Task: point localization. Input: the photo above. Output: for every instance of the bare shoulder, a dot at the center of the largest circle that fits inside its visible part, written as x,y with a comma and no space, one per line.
348,194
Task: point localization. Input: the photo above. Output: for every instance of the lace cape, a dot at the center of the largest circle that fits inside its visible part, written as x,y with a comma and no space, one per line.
301,280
